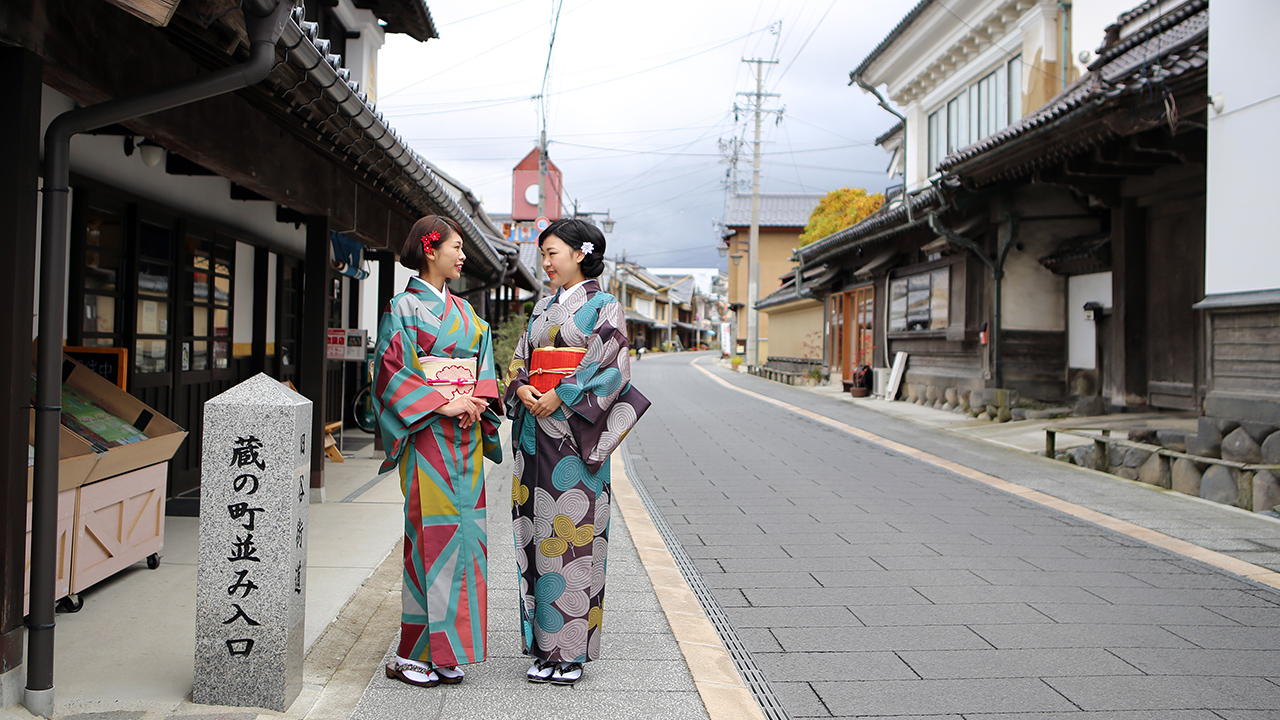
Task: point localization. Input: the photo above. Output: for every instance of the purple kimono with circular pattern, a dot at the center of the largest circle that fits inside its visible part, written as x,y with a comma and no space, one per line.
560,493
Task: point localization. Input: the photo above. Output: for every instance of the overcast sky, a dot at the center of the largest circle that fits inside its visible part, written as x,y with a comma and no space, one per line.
639,97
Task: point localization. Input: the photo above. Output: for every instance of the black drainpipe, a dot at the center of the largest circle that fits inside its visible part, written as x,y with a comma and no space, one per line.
856,79
264,31
997,277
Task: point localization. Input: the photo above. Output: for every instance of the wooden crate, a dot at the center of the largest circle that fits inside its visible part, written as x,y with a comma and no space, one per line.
118,521
66,521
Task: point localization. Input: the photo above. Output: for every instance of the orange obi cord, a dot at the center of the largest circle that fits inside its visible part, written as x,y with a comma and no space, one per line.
550,364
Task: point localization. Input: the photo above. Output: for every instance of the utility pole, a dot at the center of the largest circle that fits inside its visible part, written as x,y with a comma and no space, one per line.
753,242
542,200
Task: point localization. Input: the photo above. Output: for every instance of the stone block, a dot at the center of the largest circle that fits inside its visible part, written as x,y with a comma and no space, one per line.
1266,491
984,415
1219,485
1174,440
1185,477
1115,455
1204,445
1239,446
1019,413
1004,414
1143,435
1127,473
993,410
1155,471
251,581
1047,413
931,393
1220,425
951,395
1082,455
1135,457
1271,449
1089,406
1258,430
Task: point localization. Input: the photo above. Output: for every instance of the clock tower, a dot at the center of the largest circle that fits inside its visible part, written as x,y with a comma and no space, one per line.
524,189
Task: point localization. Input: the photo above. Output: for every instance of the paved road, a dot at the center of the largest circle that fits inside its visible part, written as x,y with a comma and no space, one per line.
869,584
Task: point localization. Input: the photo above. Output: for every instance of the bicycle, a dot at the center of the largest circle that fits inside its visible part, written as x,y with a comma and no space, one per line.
362,409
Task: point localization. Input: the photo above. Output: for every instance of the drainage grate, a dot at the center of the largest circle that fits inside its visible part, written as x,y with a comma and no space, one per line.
754,677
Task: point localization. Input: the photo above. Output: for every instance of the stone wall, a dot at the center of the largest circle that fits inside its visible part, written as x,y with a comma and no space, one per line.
1246,443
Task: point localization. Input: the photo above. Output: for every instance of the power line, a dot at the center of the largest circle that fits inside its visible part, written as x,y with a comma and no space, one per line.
806,41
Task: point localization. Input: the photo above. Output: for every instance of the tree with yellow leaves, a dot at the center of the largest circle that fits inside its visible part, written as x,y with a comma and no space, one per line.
838,210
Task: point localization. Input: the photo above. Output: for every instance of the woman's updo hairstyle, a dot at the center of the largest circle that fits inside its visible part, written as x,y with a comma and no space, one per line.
413,254
575,233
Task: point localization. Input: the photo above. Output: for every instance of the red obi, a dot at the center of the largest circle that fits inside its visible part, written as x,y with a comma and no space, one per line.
550,364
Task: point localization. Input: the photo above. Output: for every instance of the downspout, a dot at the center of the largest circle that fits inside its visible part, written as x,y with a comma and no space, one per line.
1064,23
264,30
856,79
996,267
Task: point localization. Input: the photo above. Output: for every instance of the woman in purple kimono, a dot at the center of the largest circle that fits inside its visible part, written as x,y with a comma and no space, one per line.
561,441
438,438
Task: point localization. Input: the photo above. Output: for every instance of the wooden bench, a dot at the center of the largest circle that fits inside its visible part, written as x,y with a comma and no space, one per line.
331,445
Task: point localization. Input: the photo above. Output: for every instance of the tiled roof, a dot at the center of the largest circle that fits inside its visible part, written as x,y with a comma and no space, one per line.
1172,47
893,36
813,277
411,17
776,210
885,222
890,133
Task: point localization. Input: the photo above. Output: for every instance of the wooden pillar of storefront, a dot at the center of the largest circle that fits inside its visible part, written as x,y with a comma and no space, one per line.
1129,302
20,72
313,366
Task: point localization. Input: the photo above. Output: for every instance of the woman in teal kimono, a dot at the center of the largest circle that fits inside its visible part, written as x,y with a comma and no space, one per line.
562,440
438,444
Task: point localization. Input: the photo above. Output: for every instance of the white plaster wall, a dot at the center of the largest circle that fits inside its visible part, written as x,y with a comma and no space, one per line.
272,265
1032,298
242,304
1082,337
1242,244
102,158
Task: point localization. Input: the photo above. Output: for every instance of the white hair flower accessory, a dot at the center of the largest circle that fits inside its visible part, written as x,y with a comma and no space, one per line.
588,247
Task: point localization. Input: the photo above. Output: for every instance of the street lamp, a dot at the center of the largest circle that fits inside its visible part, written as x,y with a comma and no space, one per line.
736,258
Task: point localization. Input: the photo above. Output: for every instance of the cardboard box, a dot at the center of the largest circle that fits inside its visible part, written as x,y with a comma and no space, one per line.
76,459
163,435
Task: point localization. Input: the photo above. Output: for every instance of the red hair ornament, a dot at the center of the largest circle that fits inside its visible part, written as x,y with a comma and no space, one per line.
429,239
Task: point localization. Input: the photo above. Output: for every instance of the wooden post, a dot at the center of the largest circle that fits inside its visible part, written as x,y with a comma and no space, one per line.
1049,438
1102,452
20,72
313,366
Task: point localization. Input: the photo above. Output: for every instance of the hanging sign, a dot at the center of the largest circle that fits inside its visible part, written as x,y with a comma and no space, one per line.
346,344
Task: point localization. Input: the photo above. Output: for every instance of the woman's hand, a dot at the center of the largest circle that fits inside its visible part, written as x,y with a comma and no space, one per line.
546,404
466,408
528,395
538,404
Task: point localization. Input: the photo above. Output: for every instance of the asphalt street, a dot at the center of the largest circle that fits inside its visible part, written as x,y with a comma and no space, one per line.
866,583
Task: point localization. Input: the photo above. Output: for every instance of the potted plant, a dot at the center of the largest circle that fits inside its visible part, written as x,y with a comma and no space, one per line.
861,386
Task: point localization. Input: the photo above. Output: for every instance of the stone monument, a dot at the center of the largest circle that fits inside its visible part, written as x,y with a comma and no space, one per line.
251,583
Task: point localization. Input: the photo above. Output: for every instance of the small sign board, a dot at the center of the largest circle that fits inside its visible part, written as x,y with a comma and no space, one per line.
347,344
110,363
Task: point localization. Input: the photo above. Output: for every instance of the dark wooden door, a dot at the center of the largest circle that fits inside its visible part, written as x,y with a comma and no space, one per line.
1175,282
206,263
